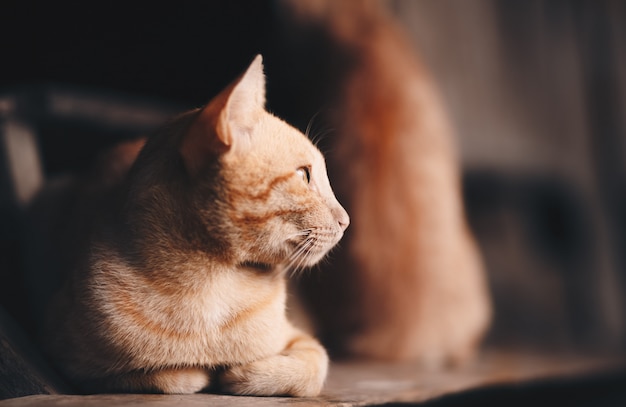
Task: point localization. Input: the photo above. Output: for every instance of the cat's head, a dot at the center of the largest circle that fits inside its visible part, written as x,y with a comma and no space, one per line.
262,180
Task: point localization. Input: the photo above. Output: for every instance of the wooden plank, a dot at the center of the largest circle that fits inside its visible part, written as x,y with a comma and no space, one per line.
361,384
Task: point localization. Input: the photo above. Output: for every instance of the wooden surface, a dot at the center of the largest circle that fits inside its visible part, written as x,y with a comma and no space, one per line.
356,384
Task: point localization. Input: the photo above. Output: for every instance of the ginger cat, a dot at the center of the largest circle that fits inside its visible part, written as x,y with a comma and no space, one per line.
408,282
181,284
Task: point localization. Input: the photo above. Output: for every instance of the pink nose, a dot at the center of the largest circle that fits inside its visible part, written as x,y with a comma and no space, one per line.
341,216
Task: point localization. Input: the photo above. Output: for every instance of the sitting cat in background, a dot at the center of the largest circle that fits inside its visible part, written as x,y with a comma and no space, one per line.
408,282
181,284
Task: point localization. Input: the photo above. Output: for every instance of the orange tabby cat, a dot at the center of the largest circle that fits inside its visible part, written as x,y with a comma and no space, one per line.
182,281
408,282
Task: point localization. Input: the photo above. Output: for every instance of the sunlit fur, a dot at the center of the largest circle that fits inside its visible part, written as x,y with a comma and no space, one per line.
181,283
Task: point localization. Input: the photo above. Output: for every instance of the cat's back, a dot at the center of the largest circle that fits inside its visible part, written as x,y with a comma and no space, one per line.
61,217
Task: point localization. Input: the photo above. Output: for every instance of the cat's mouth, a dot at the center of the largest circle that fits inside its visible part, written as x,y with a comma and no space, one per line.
310,248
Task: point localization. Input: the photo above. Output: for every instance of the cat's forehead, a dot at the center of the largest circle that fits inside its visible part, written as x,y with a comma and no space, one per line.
287,142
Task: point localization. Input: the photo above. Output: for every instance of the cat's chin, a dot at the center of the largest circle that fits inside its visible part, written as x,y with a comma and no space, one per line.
310,251
315,257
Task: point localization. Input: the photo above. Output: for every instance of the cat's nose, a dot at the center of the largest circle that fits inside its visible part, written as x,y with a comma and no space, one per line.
341,216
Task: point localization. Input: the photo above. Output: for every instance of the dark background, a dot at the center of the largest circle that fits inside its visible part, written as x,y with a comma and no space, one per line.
183,51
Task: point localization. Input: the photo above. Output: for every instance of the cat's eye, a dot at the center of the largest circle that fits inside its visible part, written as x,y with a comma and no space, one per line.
304,173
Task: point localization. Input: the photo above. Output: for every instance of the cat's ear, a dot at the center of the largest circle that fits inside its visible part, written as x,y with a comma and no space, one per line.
245,105
226,122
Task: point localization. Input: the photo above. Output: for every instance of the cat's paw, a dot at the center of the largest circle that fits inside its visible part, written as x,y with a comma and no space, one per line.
181,381
167,380
447,336
275,376
298,372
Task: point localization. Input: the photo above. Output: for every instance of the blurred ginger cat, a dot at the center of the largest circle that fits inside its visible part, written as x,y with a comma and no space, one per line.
408,282
181,285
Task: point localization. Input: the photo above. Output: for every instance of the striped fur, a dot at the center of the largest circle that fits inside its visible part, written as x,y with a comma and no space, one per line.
181,286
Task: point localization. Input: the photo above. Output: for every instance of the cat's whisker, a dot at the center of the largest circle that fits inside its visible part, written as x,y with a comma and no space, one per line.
291,261
302,256
304,232
298,256
299,250
297,265
309,126
320,136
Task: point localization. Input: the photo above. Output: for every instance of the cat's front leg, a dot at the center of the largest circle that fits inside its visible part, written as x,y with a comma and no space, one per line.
299,370
183,380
